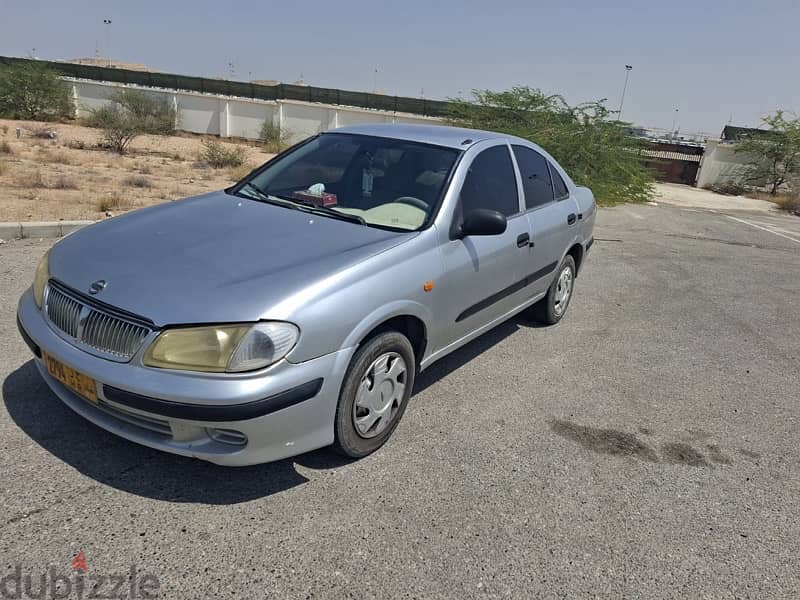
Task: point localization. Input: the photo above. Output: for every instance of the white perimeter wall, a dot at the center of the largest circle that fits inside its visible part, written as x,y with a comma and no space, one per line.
243,117
228,116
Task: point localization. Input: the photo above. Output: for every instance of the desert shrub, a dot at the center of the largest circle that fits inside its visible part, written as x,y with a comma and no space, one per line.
113,201
5,148
137,181
76,144
273,137
5,129
220,156
43,132
3,167
63,182
33,91
129,114
596,150
57,156
34,179
788,202
773,154
728,188
239,173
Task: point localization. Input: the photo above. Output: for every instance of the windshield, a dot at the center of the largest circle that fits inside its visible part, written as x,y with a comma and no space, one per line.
380,181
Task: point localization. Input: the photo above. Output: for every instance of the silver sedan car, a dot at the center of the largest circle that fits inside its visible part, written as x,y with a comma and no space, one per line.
293,310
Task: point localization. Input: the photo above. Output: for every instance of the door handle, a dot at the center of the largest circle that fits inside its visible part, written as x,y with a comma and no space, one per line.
571,218
523,239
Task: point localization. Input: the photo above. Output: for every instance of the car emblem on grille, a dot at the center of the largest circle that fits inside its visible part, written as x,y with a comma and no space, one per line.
97,287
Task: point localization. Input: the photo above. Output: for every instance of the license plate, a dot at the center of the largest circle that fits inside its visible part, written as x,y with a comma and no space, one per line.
77,382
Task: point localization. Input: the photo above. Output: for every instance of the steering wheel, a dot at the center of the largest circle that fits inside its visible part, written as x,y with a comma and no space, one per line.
415,202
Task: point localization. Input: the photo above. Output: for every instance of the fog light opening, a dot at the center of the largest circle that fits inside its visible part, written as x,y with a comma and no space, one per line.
227,436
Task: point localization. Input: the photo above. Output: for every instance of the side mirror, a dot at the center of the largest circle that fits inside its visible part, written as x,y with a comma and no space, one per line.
483,221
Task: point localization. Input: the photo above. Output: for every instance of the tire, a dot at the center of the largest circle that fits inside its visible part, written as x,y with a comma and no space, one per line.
372,401
552,308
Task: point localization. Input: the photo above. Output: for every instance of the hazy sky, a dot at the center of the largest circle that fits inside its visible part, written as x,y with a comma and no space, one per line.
712,59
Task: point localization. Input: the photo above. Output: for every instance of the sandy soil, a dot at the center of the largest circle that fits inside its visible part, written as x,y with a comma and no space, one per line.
690,197
70,178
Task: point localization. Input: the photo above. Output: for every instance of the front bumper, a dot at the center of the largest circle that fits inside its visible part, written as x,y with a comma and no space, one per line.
227,419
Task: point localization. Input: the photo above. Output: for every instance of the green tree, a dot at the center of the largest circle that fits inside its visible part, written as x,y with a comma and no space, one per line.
774,153
596,151
32,90
129,114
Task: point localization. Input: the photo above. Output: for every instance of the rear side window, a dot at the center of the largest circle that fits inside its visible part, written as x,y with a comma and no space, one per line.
559,187
491,183
535,176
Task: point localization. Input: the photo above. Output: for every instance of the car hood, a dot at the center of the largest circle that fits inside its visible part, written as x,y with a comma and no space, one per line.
212,258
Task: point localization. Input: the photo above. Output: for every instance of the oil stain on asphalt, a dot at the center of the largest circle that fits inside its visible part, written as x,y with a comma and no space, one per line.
683,454
604,441
621,443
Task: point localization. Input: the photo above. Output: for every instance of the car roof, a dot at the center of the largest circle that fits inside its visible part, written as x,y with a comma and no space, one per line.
439,135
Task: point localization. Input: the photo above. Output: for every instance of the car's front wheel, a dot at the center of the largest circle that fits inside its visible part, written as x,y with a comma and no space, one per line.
374,394
550,309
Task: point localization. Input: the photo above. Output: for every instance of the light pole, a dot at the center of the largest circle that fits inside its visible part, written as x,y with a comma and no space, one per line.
375,82
624,87
674,122
107,23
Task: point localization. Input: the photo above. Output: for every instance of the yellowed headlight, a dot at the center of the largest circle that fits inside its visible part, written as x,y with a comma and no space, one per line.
195,348
41,278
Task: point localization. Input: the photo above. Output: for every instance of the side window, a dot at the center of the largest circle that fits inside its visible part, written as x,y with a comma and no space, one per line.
491,183
535,176
559,187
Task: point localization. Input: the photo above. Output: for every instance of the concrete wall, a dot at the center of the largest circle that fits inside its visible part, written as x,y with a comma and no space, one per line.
243,117
721,164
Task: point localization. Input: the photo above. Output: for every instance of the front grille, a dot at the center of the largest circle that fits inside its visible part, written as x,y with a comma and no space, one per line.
93,326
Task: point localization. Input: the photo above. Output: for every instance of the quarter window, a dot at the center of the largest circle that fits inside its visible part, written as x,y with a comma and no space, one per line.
491,183
535,177
559,187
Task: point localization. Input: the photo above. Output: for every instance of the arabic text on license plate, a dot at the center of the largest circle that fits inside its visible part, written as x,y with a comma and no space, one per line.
78,382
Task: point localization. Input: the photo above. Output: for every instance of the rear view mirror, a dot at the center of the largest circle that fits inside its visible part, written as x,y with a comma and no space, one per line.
483,221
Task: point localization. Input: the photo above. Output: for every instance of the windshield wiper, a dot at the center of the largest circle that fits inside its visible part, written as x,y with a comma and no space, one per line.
262,196
323,210
296,204
258,191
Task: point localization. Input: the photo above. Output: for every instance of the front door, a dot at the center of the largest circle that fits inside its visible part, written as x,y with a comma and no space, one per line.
483,274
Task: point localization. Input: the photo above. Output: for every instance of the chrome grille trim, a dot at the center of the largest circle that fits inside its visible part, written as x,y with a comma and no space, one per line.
92,327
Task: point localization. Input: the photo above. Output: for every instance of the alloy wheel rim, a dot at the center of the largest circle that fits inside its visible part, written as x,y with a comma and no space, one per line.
380,394
563,291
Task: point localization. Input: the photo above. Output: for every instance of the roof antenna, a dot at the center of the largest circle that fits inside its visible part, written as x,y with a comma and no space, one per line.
466,141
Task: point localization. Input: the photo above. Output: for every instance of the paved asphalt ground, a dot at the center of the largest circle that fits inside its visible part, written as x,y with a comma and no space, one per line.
646,447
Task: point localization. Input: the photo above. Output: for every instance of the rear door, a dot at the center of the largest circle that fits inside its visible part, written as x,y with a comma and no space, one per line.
551,215
482,274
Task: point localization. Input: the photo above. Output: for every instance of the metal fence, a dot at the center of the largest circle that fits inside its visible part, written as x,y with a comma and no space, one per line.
281,91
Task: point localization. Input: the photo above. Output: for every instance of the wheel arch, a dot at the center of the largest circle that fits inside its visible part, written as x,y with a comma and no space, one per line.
409,319
576,252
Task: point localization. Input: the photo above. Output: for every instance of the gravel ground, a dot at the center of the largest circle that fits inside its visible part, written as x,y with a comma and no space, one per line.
687,196
645,447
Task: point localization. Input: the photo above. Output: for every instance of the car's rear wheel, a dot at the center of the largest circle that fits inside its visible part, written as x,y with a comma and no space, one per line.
551,309
374,394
